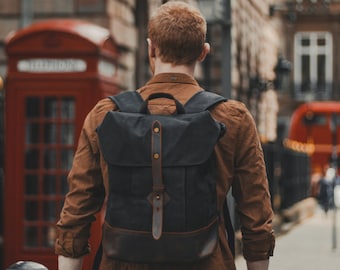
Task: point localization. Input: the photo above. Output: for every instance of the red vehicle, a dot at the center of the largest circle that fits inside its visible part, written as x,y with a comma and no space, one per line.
315,129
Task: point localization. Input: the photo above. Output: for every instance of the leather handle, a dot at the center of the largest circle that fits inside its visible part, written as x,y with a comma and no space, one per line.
144,108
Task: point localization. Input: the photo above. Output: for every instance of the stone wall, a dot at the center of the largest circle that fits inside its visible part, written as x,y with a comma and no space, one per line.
255,49
122,24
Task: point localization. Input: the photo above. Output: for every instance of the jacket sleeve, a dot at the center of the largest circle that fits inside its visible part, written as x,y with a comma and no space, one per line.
86,189
251,192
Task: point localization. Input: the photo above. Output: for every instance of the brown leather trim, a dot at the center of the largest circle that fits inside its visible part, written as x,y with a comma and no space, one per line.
141,247
157,178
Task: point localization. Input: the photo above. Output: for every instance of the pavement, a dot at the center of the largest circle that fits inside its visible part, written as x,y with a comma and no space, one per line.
305,239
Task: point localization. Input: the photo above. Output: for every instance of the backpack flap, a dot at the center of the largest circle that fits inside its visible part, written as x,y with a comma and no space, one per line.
125,138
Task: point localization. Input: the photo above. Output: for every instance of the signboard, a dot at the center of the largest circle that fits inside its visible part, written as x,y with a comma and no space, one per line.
46,65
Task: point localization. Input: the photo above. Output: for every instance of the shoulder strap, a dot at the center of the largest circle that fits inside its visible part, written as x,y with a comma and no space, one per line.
129,101
202,101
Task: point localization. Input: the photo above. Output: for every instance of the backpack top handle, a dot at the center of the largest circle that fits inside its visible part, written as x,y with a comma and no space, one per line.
144,108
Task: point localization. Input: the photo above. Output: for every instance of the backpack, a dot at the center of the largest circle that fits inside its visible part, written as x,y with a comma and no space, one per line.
162,201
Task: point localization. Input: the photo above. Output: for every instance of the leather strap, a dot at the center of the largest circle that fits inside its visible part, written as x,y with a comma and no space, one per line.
158,187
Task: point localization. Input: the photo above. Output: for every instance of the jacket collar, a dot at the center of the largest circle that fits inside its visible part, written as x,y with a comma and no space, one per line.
172,78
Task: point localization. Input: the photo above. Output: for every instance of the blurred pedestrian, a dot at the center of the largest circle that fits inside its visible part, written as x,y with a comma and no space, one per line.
325,197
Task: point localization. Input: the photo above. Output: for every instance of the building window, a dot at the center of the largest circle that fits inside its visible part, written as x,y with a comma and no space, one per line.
313,67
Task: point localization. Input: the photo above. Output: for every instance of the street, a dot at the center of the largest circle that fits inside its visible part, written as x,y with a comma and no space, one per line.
307,246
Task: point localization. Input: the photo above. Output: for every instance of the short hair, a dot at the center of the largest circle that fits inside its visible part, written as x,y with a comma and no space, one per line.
178,32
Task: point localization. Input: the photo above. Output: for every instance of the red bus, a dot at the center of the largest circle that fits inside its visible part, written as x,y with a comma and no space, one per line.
315,129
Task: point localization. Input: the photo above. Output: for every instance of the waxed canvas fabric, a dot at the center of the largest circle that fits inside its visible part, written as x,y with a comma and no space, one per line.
189,177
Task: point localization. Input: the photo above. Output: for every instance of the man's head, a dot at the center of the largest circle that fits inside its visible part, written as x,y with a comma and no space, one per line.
177,32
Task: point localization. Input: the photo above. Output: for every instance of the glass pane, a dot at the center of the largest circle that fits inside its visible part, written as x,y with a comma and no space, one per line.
305,66
321,41
305,42
50,159
31,210
31,184
49,235
32,159
49,184
321,72
50,105
67,132
67,108
66,159
32,133
64,184
32,107
50,133
314,119
31,236
49,211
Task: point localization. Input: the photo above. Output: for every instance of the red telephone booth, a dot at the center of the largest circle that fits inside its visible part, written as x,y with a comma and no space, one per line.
57,71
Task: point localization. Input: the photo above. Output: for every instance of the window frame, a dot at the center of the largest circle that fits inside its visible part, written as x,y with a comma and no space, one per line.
313,51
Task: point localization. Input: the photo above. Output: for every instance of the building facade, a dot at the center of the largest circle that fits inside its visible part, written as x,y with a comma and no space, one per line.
311,36
253,40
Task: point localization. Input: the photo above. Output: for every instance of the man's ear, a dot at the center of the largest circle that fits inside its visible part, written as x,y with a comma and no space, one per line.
204,53
151,55
151,48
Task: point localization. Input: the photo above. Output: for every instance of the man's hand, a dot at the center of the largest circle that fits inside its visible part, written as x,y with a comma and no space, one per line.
258,265
66,263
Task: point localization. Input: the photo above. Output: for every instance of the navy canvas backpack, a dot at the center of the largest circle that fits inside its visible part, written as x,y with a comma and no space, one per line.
162,202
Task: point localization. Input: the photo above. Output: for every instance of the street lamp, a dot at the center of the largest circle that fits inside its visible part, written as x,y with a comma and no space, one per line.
282,70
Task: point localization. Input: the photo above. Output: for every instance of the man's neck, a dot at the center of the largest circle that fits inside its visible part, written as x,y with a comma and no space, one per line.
161,67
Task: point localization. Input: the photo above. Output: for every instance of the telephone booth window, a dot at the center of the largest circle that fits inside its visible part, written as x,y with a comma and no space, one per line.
49,143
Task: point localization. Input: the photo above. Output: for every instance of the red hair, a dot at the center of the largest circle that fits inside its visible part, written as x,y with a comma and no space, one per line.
178,32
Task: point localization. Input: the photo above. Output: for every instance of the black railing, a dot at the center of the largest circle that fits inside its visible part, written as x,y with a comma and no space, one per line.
288,174
272,158
294,182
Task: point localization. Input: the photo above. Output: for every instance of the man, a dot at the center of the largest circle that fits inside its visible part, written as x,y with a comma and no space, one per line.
176,43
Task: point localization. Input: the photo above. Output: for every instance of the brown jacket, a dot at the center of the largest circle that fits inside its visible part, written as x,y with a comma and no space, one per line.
240,166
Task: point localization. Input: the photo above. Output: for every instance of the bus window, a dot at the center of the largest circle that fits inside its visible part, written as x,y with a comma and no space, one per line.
311,119
338,119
